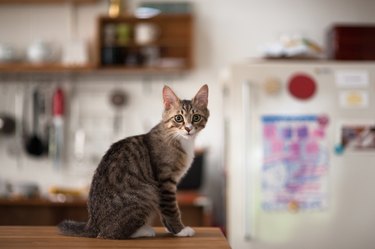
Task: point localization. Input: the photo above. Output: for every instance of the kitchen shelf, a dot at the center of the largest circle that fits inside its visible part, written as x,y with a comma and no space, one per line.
166,43
173,43
24,68
45,1
43,68
140,70
174,46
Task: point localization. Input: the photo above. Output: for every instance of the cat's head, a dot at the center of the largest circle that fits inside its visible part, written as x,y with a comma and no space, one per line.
185,118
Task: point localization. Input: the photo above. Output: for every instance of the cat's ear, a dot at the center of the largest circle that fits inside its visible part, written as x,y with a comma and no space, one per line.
201,98
169,98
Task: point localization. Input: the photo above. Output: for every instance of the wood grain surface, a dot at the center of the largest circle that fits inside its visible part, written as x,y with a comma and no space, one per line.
13,237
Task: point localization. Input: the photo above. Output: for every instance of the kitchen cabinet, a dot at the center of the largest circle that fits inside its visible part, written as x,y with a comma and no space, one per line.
160,43
194,207
40,212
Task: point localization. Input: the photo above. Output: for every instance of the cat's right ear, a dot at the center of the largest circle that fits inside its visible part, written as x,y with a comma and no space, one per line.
169,98
201,98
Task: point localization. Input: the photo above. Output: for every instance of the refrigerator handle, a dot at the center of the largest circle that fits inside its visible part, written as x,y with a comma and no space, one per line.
246,93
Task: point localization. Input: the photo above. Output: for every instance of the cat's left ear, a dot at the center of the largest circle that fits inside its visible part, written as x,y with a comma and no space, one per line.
169,98
201,98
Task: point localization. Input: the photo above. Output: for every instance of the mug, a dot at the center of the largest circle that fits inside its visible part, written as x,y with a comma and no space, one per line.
109,34
111,55
146,33
41,52
7,53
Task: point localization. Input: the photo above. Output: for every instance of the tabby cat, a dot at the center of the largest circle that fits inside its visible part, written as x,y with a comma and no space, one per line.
137,177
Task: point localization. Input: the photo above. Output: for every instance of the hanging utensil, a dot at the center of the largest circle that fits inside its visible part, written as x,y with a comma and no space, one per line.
57,146
7,124
118,100
15,147
34,144
7,119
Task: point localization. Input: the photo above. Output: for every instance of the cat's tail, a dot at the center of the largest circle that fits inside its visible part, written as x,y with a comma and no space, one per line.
75,228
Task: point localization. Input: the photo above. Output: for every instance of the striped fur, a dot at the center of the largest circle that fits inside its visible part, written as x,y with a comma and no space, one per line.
137,176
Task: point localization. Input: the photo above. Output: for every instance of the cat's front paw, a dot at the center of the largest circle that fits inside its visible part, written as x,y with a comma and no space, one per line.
186,232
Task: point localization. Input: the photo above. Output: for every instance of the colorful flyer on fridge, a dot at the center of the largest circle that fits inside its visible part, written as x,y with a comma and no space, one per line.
295,162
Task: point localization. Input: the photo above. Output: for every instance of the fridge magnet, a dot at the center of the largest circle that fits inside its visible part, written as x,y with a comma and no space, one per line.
360,137
293,206
339,149
352,78
354,99
272,86
302,86
294,173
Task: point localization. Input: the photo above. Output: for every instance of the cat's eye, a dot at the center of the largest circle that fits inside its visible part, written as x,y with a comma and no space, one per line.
196,118
179,118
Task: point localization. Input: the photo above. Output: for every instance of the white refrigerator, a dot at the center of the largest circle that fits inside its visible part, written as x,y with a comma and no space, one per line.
300,157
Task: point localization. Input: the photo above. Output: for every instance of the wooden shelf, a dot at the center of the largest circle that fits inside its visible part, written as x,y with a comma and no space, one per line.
135,70
174,46
183,198
43,68
134,19
41,212
45,1
162,43
24,68
41,202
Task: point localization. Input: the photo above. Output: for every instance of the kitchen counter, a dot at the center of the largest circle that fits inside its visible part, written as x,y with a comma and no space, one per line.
49,237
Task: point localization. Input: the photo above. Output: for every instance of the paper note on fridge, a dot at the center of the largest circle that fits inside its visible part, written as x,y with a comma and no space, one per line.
352,78
353,99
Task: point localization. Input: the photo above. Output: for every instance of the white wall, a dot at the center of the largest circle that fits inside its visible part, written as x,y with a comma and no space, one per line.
226,31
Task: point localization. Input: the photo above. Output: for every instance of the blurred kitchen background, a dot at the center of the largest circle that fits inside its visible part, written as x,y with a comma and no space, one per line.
77,75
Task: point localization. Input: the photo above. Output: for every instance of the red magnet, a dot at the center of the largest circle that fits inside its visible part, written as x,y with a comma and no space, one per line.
302,86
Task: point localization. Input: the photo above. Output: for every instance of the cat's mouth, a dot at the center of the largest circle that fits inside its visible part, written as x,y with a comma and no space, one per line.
188,135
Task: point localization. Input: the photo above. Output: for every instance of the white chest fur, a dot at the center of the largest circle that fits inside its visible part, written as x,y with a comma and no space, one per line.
188,147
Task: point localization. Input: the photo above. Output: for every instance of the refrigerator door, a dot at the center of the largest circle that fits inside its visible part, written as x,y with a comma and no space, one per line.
344,94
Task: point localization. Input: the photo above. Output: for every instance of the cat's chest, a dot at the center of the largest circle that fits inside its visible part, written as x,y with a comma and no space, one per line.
188,147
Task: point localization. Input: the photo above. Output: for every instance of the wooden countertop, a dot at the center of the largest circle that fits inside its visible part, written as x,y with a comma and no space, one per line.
49,237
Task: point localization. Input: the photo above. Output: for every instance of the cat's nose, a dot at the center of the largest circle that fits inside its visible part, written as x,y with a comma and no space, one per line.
188,129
